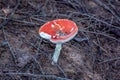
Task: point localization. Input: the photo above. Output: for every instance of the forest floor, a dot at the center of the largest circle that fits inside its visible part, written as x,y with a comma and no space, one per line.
94,53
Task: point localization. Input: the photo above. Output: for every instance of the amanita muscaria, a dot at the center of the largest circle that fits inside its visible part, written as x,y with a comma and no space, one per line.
58,31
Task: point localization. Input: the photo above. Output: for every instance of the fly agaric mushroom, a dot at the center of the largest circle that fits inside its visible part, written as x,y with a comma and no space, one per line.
58,31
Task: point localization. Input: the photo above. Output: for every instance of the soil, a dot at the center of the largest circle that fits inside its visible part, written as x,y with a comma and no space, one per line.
93,54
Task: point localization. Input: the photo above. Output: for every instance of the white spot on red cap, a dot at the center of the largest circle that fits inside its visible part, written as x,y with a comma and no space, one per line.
52,26
71,29
45,35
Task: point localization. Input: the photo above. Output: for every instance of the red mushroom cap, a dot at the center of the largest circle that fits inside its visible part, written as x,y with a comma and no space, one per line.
59,31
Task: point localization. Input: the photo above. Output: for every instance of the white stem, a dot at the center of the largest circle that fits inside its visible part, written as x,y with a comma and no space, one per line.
56,53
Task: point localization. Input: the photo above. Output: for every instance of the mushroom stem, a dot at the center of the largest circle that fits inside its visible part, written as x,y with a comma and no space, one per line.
56,53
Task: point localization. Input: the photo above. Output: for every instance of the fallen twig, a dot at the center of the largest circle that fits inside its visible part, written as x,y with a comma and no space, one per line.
109,60
10,16
35,75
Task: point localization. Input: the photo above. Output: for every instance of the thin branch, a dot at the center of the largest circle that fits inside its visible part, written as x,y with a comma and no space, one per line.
35,75
107,8
7,20
103,34
109,60
11,49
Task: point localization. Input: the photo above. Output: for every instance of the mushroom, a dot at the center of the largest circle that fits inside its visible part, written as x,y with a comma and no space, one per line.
58,31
